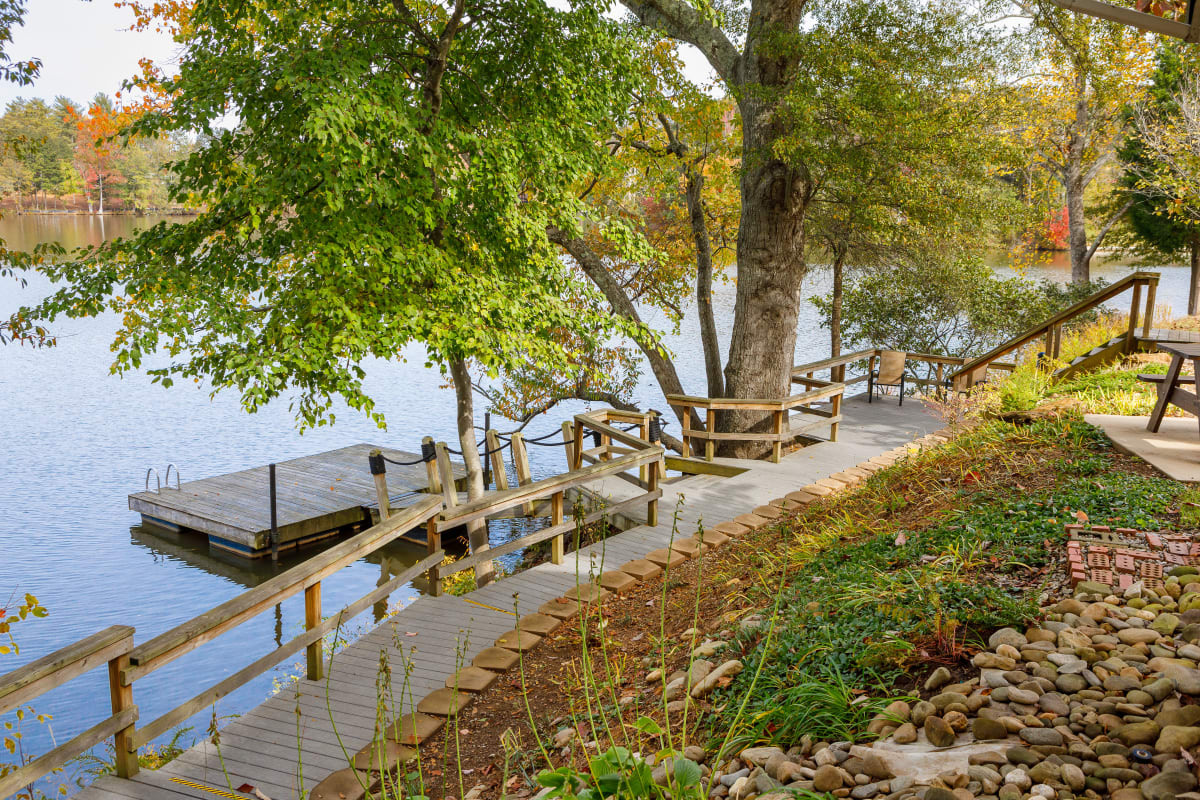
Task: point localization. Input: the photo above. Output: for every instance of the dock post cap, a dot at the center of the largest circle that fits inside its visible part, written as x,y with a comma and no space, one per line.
375,459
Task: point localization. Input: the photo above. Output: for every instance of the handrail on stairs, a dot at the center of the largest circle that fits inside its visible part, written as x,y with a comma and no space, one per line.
975,370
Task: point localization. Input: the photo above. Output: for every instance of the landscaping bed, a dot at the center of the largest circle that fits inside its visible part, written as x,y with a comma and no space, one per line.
814,623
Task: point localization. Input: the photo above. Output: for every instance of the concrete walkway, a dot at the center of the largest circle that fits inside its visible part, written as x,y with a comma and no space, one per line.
283,753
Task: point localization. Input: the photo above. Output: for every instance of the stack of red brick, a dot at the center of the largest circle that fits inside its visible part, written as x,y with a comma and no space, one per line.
1120,557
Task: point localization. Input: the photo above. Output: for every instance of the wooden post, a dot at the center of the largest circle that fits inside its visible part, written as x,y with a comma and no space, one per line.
312,618
577,453
1148,323
837,374
497,456
653,470
122,698
521,465
644,433
710,445
939,391
556,518
569,442
605,442
1134,309
446,474
431,470
274,514
433,543
777,445
379,473
686,430
835,407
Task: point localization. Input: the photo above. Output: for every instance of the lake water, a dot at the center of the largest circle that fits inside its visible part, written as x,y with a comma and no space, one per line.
76,440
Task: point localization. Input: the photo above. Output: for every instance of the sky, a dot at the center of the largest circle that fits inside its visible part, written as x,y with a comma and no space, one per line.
85,48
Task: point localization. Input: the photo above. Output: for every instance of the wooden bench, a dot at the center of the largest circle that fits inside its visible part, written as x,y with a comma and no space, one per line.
1154,378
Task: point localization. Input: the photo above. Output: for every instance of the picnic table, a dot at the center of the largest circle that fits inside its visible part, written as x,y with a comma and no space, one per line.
1170,386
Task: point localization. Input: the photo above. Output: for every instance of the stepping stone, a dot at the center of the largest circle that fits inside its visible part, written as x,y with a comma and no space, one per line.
561,607
846,478
518,641
730,529
383,755
800,498
687,548
818,490
711,538
783,504
413,729
541,624
345,784
857,472
497,659
831,483
870,467
587,593
641,569
617,581
767,512
666,558
883,461
444,702
471,679
751,521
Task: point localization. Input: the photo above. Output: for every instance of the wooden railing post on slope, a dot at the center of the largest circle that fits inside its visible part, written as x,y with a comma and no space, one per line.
492,443
521,465
777,428
446,475
568,429
1151,291
124,753
577,448
653,470
379,473
433,544
431,469
835,409
1135,307
312,618
557,549
710,446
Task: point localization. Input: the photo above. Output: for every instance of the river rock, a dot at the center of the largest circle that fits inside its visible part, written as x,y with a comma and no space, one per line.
987,729
1186,680
827,778
937,679
1138,635
1167,783
905,734
1174,738
938,732
1138,733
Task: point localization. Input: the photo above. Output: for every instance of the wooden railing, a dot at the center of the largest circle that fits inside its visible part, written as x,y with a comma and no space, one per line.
110,646
975,370
935,377
782,431
618,453
127,664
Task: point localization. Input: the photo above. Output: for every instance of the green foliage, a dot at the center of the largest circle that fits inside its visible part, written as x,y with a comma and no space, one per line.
13,613
867,603
393,195
943,303
12,733
620,774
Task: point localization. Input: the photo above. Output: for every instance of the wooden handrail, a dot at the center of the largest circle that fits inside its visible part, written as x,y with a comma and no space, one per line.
1135,280
496,502
166,647
36,678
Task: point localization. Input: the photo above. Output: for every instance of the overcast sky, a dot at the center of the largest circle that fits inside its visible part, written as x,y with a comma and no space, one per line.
85,48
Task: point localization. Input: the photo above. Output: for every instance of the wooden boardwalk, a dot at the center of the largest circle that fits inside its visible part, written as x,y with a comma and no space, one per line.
315,496
434,636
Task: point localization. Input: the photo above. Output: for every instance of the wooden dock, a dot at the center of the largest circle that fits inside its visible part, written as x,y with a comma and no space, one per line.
316,496
284,756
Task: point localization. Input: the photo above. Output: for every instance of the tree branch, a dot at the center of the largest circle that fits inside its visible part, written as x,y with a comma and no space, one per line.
1106,228
680,21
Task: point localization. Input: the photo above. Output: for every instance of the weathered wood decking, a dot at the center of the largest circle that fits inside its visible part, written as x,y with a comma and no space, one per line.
434,636
315,496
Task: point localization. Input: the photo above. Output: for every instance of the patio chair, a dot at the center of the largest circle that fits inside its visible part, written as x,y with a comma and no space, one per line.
890,373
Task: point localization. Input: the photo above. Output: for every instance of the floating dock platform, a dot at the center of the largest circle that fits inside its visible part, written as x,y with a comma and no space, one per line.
317,496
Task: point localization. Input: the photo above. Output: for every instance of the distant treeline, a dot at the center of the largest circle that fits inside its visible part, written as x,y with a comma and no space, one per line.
61,156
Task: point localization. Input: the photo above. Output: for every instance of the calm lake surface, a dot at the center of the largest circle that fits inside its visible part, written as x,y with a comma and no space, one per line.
75,441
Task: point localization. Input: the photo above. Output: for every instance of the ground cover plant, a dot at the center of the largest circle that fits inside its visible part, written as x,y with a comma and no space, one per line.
833,611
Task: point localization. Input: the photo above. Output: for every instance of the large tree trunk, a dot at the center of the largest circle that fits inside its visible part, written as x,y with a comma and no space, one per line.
1194,275
770,270
1077,233
477,533
704,275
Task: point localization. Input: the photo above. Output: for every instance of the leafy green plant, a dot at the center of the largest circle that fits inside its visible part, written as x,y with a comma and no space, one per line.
621,774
